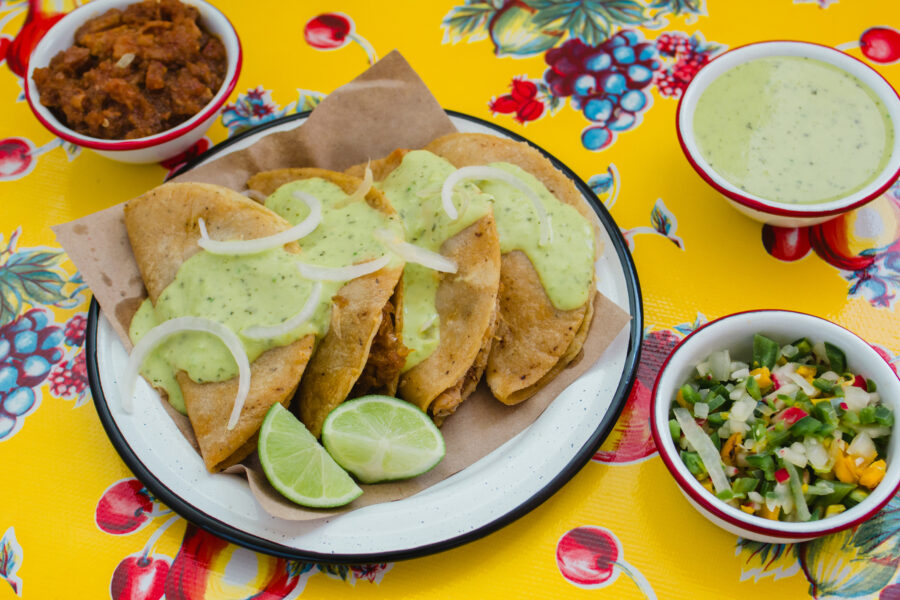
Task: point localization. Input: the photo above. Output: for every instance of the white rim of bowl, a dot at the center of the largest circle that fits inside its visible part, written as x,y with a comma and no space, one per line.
73,20
795,530
727,60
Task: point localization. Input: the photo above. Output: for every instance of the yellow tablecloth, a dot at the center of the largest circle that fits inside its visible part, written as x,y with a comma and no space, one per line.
75,524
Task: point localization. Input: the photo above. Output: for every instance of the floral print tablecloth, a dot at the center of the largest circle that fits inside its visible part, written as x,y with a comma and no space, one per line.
74,522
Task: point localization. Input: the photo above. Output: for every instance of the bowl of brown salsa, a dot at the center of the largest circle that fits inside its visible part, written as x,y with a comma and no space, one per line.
135,81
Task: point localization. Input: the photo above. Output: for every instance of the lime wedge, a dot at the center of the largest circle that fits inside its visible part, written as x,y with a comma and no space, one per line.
298,467
379,438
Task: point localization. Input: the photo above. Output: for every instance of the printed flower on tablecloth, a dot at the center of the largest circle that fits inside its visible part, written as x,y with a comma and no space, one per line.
30,342
591,557
332,31
11,560
596,57
251,109
864,245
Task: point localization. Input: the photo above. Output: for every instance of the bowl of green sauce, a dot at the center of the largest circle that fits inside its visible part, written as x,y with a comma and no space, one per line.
791,133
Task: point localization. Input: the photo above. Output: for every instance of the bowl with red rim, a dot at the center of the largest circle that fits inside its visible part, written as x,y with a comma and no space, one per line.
735,333
766,210
149,149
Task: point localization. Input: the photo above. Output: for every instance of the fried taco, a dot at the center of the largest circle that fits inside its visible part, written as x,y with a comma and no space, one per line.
448,318
196,370
548,247
361,352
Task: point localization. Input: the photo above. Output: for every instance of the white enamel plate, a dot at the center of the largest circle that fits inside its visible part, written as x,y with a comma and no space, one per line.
496,490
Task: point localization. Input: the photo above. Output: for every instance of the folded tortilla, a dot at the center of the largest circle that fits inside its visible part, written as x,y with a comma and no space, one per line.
466,304
162,227
534,340
363,318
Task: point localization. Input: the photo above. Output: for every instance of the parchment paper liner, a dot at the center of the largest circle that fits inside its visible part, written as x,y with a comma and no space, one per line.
386,107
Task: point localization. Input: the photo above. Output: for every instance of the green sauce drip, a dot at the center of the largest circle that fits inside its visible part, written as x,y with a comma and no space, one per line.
565,265
793,130
414,188
257,289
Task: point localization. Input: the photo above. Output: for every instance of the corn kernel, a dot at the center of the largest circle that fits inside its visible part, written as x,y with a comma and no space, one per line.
763,377
834,509
679,398
748,508
765,513
805,487
845,469
806,372
708,485
728,448
873,474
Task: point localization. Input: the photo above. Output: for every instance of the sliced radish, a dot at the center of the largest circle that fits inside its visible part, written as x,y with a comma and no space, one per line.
263,332
317,273
178,325
415,254
301,230
494,174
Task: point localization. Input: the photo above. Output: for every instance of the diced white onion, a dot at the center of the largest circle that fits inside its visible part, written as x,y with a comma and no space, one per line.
830,376
181,324
263,332
317,273
856,398
704,447
428,323
741,373
415,254
125,60
703,369
789,351
820,351
817,454
495,174
755,497
862,446
363,188
791,456
301,230
807,388
720,364
873,431
737,365
701,410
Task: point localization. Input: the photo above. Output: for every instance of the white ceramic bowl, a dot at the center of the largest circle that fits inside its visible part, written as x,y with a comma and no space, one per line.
735,332
759,208
148,149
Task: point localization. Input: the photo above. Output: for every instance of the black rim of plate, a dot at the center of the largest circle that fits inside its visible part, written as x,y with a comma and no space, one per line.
253,542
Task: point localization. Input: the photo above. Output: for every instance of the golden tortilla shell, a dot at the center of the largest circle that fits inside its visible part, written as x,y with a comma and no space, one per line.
534,340
162,227
466,302
341,355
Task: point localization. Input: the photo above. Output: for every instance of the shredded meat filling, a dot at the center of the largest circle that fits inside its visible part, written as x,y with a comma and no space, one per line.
134,72
386,358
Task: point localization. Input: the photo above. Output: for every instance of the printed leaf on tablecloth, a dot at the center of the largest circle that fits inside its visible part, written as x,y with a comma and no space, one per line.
678,7
664,222
591,20
764,560
469,20
10,560
28,276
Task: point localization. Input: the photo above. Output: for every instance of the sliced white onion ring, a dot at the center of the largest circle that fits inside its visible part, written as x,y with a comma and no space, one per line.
494,174
177,325
704,447
204,234
363,189
415,254
263,332
255,195
298,231
317,273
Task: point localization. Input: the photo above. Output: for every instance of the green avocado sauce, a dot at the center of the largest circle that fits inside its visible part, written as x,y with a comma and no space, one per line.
414,189
566,264
257,289
793,130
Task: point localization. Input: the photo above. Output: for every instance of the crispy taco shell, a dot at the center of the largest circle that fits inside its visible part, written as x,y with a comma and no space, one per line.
361,319
162,227
534,340
466,303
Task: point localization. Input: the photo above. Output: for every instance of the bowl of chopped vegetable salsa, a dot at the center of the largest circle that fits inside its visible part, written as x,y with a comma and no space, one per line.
778,425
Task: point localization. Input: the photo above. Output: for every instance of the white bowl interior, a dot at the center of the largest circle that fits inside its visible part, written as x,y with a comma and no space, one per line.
62,36
735,333
738,56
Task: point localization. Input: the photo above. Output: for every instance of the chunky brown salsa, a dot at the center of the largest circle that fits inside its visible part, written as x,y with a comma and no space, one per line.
134,72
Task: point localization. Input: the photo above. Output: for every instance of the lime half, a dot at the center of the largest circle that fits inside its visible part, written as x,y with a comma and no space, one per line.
379,438
298,466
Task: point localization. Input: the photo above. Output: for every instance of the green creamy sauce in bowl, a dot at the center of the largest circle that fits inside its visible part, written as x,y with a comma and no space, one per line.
793,130
257,289
414,189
